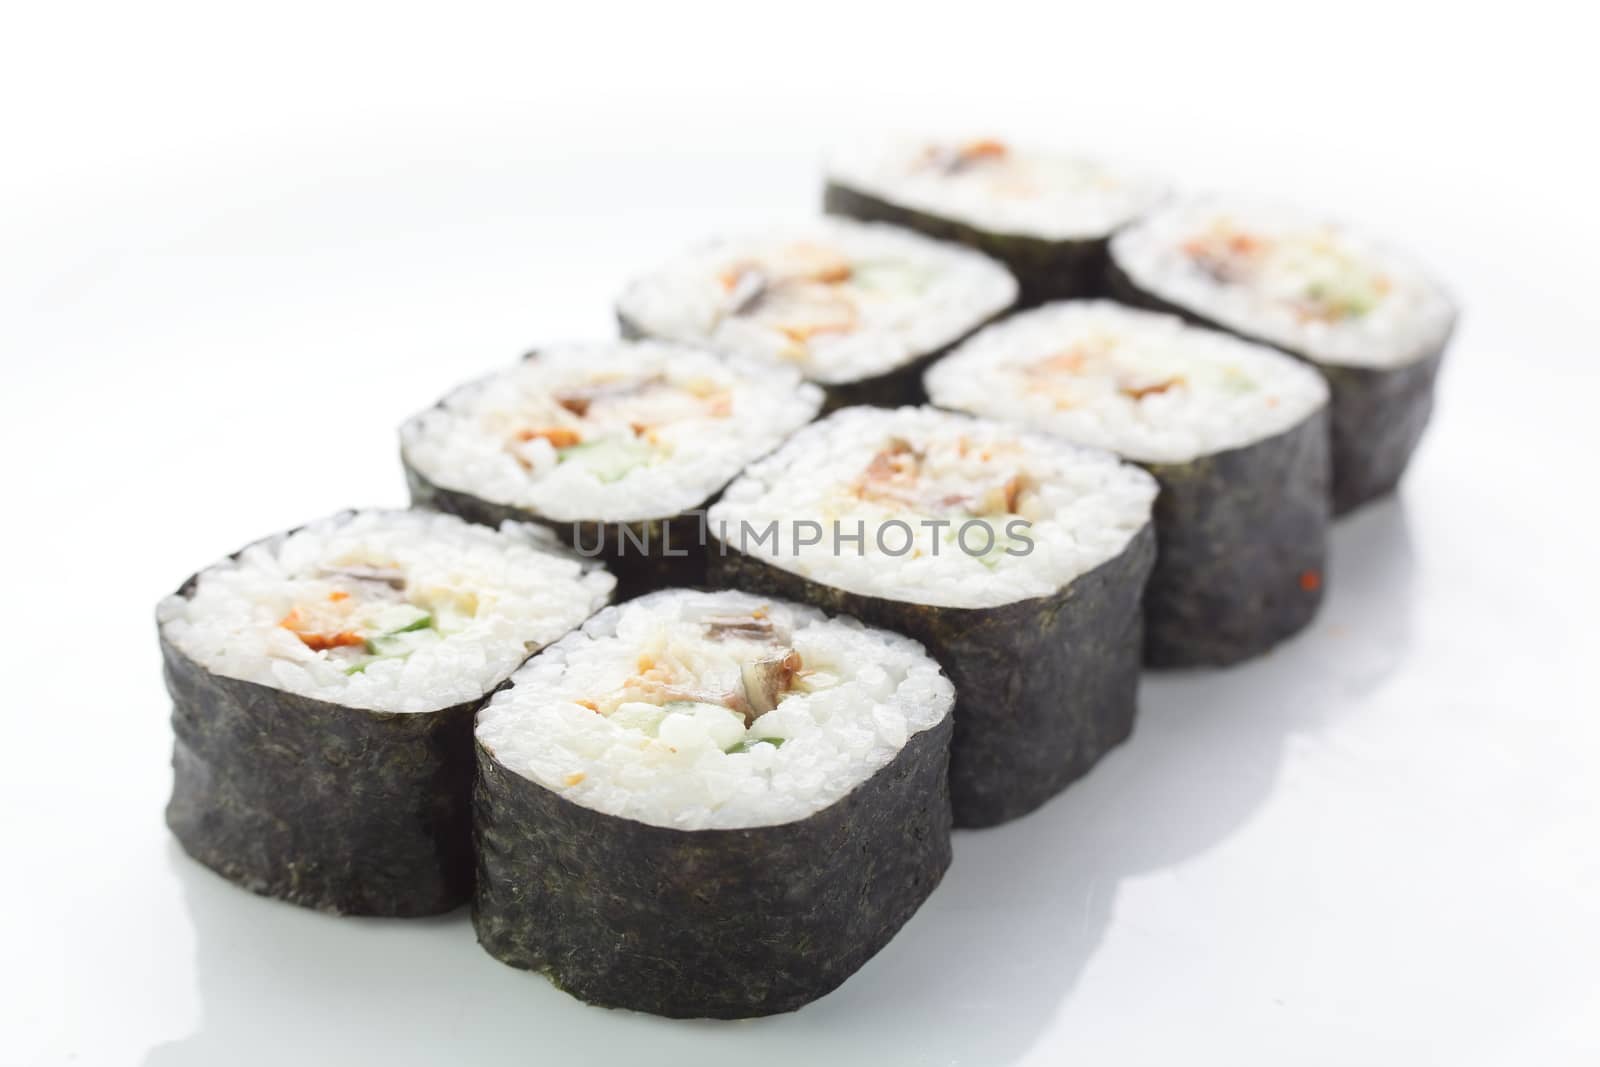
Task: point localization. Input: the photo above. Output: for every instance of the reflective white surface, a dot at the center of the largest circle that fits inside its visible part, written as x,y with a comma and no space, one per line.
225,284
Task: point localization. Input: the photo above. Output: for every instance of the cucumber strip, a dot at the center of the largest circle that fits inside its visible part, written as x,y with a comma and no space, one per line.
751,742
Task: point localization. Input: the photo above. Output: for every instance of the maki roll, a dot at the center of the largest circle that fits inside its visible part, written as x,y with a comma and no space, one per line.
1371,320
323,686
1017,559
1045,215
710,804
860,310
616,446
1235,433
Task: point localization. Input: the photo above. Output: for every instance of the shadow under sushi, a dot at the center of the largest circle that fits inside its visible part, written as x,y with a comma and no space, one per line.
976,977
992,959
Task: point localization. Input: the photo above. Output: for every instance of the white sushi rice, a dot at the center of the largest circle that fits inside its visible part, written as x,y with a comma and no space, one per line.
999,188
662,428
452,608
1144,385
580,720
1303,283
875,472
841,301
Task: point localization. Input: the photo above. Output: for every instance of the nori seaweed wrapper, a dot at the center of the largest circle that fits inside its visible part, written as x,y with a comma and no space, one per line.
1243,541
1379,413
898,387
644,555
341,809
1046,270
1044,686
707,923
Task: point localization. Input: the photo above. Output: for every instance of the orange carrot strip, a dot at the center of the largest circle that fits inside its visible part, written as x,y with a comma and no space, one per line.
558,436
323,642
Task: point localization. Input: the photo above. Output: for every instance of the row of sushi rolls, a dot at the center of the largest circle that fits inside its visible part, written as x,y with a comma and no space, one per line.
696,643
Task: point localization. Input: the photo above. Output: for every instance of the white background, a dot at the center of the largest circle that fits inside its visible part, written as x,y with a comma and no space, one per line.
238,245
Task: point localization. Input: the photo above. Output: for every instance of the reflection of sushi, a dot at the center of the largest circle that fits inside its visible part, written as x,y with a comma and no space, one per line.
1017,559
1368,318
323,685
609,444
1236,434
1047,216
858,309
710,804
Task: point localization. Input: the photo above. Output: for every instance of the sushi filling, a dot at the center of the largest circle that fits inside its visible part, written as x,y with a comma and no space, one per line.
371,612
1307,285
840,302
713,709
999,187
939,483
1144,385
392,611
1311,276
617,432
933,507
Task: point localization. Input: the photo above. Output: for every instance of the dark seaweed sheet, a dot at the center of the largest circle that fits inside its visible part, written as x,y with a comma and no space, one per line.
1378,413
707,923
1243,540
340,809
1379,416
1044,686
1046,270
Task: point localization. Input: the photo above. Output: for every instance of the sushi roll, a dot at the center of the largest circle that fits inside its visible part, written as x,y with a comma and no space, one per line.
1017,559
710,804
616,446
1235,433
1371,320
323,686
860,310
1045,215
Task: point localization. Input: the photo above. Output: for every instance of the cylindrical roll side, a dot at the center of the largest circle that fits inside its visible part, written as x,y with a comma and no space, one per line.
340,809
707,923
1243,542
